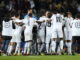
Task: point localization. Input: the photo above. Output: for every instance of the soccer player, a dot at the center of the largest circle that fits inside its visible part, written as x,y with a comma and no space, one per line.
6,33
68,36
16,38
48,30
75,32
57,21
41,33
28,27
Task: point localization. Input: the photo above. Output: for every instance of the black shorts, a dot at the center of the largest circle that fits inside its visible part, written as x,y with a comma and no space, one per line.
75,38
7,37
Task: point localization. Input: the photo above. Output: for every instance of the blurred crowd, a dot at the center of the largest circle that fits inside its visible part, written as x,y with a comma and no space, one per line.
63,5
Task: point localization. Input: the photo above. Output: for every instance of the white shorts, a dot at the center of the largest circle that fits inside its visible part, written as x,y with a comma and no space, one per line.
48,36
57,33
28,34
16,36
68,35
41,36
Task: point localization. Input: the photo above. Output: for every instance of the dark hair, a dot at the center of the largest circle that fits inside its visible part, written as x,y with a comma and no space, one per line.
7,17
30,15
29,9
69,13
49,14
17,14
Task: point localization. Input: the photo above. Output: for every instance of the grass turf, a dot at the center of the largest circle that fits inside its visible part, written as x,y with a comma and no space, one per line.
60,57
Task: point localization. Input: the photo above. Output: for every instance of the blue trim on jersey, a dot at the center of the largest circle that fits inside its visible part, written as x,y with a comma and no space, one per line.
28,15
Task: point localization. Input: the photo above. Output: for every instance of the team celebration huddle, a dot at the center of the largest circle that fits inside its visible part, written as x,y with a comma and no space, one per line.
45,35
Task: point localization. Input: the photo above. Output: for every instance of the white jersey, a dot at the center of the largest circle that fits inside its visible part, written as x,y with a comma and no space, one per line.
57,21
17,27
68,22
67,29
7,28
17,31
76,27
29,24
42,25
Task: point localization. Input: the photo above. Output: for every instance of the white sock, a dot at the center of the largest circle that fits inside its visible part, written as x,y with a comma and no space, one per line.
39,46
10,49
68,44
17,48
61,45
58,50
25,48
47,47
53,46
29,47
42,46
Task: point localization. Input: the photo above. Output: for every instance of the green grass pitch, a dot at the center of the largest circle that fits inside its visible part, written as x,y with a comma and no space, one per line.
60,57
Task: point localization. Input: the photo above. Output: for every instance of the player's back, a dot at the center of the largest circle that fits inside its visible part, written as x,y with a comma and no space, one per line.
42,25
7,28
76,27
57,21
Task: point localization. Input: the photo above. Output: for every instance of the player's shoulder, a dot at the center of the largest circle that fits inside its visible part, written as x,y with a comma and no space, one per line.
32,19
53,16
42,18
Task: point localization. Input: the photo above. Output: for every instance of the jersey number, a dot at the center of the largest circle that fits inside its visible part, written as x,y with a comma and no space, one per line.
77,24
58,19
7,25
49,24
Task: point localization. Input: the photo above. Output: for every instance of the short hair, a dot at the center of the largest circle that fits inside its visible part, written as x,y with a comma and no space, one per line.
29,9
69,13
17,14
49,14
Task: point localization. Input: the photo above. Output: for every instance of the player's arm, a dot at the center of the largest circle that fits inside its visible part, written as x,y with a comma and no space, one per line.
21,24
39,22
63,28
48,21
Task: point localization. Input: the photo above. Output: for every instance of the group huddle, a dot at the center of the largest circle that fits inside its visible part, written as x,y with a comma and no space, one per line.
48,30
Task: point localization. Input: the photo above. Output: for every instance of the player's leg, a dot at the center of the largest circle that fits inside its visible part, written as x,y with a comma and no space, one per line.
17,48
19,45
61,44
10,48
6,46
73,44
25,47
53,43
68,42
47,43
42,45
2,46
42,38
39,45
29,47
